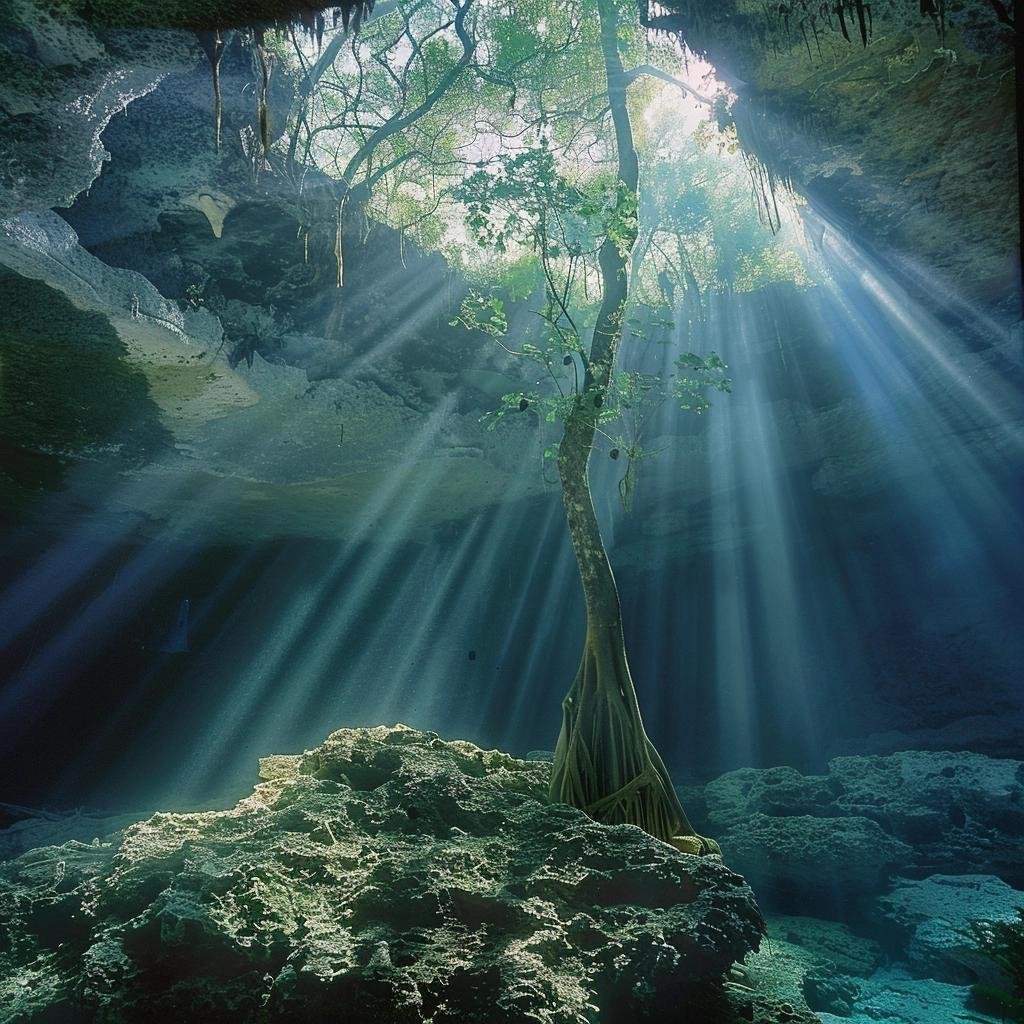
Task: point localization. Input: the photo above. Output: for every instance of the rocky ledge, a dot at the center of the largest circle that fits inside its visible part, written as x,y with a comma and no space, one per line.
385,876
906,852
841,837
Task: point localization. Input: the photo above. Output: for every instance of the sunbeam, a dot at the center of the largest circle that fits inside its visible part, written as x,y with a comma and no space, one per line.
513,512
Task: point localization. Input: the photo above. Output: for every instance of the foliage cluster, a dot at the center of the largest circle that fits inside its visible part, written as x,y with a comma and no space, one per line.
482,130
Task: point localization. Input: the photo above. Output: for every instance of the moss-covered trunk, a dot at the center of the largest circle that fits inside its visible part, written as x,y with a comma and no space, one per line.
604,762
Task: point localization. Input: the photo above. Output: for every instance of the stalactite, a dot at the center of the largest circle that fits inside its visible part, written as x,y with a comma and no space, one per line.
817,39
842,21
803,32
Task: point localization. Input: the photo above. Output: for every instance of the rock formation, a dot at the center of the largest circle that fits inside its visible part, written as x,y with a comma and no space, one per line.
387,875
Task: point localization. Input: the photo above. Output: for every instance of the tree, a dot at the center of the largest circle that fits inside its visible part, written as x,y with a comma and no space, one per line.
604,761
367,109
520,117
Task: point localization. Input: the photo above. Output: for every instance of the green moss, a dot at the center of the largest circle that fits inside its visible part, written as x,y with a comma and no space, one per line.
65,385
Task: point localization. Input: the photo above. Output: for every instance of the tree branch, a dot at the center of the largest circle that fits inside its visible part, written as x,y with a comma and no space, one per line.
652,72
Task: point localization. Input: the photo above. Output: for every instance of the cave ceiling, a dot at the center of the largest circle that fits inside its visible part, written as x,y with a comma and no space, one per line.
114,196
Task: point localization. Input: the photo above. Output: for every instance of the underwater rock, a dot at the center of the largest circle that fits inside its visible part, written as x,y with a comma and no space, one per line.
937,912
933,811
816,964
852,954
828,992
798,978
387,875
893,997
963,812
779,792
839,859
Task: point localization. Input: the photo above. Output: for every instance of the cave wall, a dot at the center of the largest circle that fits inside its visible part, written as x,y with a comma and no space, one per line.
906,138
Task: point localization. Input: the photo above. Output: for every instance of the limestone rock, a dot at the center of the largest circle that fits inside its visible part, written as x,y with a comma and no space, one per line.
386,875
777,792
961,811
892,997
817,965
852,954
924,812
796,977
60,85
937,912
837,858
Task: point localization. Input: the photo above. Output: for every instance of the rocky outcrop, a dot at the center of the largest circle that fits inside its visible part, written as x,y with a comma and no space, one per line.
906,954
386,874
933,916
914,813
60,85
895,997
795,857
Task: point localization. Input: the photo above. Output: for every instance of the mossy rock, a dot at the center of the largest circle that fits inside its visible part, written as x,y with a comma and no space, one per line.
385,876
66,387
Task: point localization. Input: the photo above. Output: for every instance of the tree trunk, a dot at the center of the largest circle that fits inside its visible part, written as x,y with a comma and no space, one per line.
604,762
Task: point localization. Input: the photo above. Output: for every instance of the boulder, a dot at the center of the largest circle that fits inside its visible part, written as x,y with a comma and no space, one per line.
777,792
961,811
893,997
933,916
387,875
918,812
838,860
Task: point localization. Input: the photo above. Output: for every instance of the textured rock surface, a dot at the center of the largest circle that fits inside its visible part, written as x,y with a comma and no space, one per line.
816,964
917,812
892,997
60,85
386,873
797,977
323,445
937,911
852,954
838,858
910,135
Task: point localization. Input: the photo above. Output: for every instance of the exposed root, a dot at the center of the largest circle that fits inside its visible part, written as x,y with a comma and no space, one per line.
604,762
